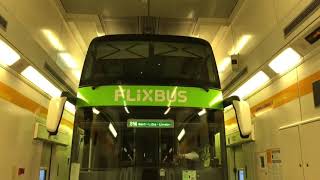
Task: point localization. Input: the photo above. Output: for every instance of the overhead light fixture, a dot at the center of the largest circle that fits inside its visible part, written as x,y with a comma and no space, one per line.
53,39
70,107
181,134
39,80
113,130
8,56
167,111
285,61
243,41
96,111
68,60
251,85
202,112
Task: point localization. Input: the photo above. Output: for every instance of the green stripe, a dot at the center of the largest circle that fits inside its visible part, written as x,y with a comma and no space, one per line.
170,96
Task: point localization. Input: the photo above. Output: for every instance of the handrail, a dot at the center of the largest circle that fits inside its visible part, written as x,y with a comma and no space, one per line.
311,120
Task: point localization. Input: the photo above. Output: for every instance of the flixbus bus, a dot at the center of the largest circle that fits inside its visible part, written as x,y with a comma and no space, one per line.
149,107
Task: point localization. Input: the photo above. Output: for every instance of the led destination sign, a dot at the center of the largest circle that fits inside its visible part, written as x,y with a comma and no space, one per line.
150,123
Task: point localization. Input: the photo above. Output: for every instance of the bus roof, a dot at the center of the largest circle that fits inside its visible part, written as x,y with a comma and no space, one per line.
151,37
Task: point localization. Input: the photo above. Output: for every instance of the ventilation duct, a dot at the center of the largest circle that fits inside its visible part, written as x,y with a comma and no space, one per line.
312,7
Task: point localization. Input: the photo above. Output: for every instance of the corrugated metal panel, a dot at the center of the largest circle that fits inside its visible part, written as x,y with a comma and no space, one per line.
313,6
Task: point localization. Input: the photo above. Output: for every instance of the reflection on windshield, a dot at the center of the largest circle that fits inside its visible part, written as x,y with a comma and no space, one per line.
143,62
108,145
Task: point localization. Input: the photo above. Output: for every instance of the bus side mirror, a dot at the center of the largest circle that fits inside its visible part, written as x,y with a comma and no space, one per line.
243,114
55,111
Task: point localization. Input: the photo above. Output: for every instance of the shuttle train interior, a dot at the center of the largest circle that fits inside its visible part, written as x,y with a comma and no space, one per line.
159,89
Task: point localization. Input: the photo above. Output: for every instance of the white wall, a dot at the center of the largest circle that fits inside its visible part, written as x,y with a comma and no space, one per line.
26,19
299,109
18,149
263,21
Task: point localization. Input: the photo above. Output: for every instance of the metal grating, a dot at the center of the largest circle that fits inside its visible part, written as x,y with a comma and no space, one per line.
313,6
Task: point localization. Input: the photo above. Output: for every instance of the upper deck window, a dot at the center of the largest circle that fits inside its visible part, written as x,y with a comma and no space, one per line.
135,62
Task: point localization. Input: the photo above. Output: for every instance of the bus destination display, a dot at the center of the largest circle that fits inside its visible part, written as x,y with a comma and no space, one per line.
150,123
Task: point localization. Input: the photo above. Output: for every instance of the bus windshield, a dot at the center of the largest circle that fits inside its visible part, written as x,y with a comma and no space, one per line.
149,107
117,143
150,62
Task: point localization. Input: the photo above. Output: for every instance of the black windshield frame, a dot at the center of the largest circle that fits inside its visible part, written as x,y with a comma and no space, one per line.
152,38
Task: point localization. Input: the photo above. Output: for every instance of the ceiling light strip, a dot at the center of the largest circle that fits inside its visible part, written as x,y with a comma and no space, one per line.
251,85
40,81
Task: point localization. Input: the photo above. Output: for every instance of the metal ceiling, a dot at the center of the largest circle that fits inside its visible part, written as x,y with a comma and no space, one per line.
158,8
200,18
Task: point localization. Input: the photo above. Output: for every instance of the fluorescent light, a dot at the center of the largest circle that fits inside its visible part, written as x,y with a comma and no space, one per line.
70,107
241,44
113,130
181,134
225,63
53,39
7,55
96,111
202,112
39,80
127,110
68,60
251,85
285,61
125,149
167,111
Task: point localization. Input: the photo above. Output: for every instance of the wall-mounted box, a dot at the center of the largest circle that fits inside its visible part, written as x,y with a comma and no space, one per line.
41,133
316,93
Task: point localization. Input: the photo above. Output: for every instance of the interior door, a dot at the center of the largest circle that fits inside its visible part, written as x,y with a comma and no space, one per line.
45,161
291,154
60,163
310,149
